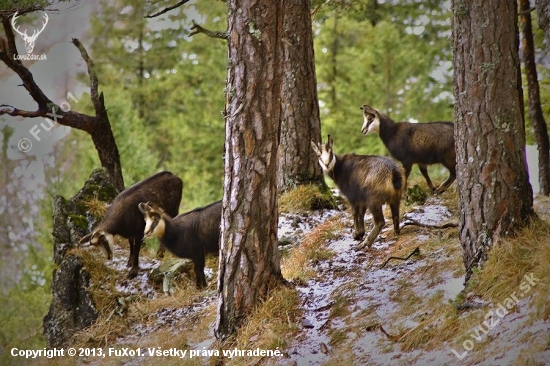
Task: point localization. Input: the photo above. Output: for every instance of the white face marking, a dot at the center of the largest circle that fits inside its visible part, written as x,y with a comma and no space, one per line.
370,127
327,160
104,241
154,226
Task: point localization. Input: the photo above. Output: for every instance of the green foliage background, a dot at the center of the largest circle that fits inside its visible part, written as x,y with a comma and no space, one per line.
164,92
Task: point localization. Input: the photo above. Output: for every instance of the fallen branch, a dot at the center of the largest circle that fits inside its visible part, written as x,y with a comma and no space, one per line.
468,305
324,307
416,223
415,251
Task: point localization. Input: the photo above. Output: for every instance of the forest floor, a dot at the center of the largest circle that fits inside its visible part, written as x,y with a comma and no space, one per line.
349,309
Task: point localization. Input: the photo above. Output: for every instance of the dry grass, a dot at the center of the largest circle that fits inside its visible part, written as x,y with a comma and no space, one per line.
95,206
270,326
509,262
305,198
501,276
296,266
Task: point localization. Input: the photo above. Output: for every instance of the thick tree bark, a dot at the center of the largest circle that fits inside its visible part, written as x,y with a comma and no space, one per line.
535,110
98,126
300,120
495,196
543,13
249,260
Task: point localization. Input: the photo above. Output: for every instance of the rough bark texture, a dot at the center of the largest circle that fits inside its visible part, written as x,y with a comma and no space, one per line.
249,260
300,120
72,307
535,110
543,13
495,196
98,126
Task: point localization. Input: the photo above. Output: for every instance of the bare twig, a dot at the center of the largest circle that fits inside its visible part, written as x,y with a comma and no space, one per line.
196,29
468,305
415,251
416,223
314,11
167,9
12,111
97,99
325,307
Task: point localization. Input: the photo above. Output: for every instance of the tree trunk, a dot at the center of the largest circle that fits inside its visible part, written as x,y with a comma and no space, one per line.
535,110
249,260
495,196
300,120
543,13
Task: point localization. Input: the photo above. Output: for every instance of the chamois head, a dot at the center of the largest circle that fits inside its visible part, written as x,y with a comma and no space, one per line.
325,153
100,239
154,220
371,118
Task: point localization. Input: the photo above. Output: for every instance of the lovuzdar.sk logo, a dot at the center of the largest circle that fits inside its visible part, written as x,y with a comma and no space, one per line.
29,39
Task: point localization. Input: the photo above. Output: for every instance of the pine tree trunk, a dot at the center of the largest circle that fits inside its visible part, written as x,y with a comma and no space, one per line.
300,120
535,109
249,260
495,196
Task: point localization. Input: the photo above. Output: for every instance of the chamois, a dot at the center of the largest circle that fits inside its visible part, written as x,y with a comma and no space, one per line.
124,218
415,143
189,235
367,182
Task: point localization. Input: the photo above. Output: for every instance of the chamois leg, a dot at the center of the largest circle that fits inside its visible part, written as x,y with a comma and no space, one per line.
379,222
394,206
448,181
160,251
424,171
133,261
359,221
198,264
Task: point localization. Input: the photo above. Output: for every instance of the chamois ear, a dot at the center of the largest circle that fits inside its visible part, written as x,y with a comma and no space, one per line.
316,147
85,239
369,110
152,206
142,207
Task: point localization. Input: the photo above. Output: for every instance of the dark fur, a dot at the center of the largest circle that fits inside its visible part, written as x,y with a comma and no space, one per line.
418,143
123,217
367,182
191,235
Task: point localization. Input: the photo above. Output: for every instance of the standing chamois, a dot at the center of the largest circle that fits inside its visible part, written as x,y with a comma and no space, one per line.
367,182
415,143
123,217
189,235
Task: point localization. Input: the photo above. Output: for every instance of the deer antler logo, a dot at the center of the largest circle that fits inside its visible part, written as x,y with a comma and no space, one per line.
29,40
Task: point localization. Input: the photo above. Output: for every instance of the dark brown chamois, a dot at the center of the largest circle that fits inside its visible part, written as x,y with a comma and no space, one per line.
415,143
367,182
189,235
123,217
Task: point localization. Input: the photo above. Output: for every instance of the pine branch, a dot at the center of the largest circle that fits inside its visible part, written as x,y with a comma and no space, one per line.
196,29
167,9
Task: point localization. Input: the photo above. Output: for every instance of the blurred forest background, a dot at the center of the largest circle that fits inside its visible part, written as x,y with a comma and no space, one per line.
164,92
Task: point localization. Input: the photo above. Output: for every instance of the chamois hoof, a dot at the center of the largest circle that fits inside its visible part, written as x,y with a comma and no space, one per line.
358,236
133,273
362,246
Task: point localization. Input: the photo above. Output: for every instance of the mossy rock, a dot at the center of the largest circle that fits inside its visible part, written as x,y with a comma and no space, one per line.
307,197
416,195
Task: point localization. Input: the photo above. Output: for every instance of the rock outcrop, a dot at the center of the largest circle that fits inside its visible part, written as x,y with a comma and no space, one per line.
72,307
